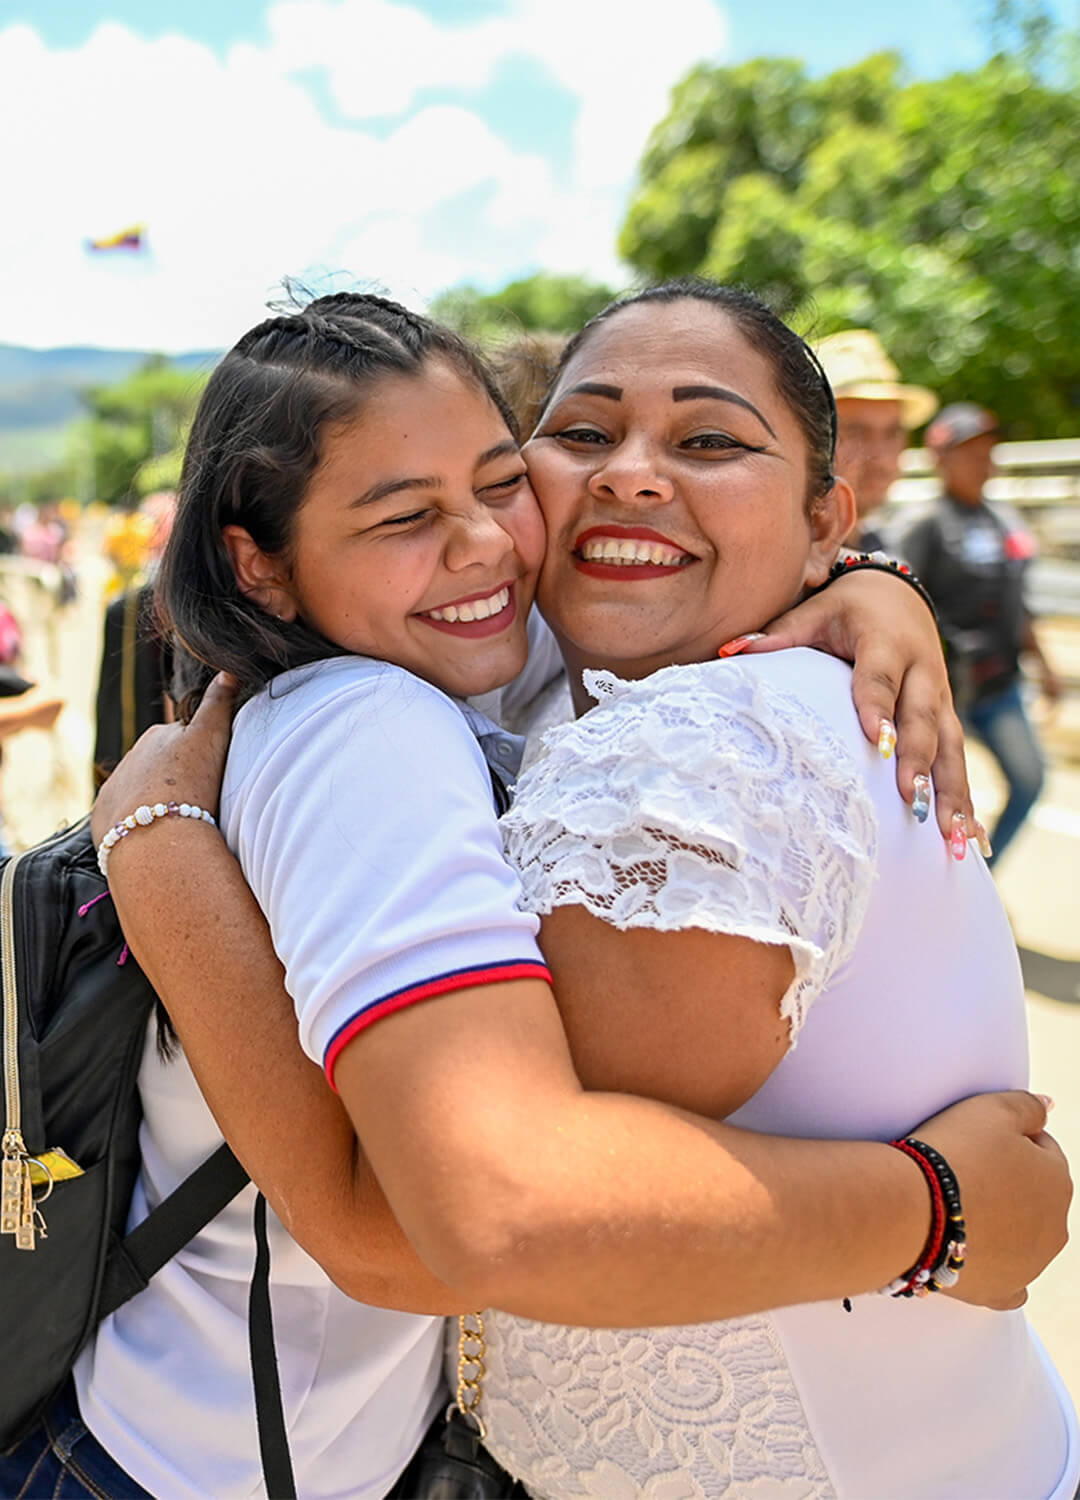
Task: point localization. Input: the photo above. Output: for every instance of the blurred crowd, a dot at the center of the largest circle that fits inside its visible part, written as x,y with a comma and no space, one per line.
41,541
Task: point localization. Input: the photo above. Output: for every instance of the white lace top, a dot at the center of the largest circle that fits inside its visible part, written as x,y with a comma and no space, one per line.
701,797
741,797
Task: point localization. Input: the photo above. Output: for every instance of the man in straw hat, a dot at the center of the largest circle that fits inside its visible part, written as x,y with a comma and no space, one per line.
875,414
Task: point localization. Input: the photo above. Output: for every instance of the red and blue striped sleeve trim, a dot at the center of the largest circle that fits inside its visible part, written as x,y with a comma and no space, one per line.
442,984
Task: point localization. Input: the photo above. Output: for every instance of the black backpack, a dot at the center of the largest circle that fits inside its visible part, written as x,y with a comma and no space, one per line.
75,1013
75,1008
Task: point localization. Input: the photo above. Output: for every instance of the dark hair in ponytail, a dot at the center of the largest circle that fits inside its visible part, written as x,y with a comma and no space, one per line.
254,445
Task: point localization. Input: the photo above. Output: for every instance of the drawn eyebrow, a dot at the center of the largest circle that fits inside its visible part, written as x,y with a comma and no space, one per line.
718,393
594,388
428,481
680,393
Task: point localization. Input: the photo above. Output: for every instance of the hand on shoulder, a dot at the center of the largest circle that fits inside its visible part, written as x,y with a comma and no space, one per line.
172,762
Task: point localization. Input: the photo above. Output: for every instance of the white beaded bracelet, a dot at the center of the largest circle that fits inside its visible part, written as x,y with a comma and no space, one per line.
142,817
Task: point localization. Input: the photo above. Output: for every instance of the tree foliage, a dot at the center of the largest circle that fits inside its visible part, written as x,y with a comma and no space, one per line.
547,302
135,430
945,214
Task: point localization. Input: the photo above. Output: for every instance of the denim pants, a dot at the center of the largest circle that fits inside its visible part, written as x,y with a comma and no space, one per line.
1004,728
60,1460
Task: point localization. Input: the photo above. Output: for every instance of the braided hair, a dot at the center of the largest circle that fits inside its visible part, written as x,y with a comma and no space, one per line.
254,445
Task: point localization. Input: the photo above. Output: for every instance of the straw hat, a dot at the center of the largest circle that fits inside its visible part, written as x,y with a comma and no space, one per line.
857,366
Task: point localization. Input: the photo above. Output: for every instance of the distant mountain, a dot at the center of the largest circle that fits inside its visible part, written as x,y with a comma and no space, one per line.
40,387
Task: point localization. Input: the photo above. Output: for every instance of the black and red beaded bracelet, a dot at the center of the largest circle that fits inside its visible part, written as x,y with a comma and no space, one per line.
942,1259
878,562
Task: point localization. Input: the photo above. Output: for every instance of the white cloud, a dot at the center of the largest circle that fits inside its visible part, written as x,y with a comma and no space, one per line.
242,179
620,67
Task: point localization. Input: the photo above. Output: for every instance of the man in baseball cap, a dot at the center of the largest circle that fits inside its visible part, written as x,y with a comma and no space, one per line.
974,559
875,413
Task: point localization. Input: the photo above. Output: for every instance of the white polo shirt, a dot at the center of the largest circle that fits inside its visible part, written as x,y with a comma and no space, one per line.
359,803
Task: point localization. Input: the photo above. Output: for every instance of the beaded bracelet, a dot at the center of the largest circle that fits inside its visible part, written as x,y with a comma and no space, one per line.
142,817
878,562
942,1260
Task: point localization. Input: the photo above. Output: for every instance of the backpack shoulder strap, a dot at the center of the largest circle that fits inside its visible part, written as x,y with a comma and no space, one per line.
177,1219
269,1410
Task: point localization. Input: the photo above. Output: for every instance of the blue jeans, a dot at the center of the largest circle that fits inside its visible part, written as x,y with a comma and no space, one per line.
1004,727
60,1460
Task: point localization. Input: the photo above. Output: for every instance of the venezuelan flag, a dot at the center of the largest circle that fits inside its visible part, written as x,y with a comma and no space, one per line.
132,238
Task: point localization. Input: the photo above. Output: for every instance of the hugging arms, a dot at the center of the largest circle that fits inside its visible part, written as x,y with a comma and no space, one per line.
768,1221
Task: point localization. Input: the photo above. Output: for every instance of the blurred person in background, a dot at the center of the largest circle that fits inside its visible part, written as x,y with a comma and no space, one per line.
47,539
875,414
44,537
126,545
136,663
973,557
9,542
21,706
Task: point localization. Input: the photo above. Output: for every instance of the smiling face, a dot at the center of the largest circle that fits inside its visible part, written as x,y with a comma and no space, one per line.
673,480
418,540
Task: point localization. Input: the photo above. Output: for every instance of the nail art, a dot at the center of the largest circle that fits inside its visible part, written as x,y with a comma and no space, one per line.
886,740
732,648
982,838
958,836
1048,1103
920,803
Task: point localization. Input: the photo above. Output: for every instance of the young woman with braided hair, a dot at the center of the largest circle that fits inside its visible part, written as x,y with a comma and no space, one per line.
357,541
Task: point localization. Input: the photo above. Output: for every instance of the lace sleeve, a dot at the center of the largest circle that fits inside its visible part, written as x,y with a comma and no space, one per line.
702,797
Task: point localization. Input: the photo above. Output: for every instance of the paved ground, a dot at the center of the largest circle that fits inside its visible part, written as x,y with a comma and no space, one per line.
46,782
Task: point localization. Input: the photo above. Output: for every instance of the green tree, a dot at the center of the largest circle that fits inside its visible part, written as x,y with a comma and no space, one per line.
137,425
945,214
554,304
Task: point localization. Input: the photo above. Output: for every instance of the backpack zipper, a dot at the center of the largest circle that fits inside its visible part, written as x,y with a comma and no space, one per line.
17,1214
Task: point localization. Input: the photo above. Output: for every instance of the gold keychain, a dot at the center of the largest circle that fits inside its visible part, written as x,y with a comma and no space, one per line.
26,1182
11,1192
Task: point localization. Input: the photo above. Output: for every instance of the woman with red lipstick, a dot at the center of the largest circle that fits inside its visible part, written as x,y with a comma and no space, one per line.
351,496
722,870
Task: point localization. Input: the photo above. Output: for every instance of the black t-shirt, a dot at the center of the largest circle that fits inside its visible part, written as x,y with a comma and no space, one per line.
973,560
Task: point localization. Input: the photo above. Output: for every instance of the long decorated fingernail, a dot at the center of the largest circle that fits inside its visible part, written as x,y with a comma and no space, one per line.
1048,1103
920,802
886,740
958,836
732,648
982,838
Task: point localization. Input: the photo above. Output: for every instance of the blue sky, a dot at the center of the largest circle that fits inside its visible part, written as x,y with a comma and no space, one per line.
934,35
409,143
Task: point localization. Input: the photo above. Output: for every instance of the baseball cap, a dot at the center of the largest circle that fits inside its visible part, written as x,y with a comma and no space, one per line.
858,367
958,423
